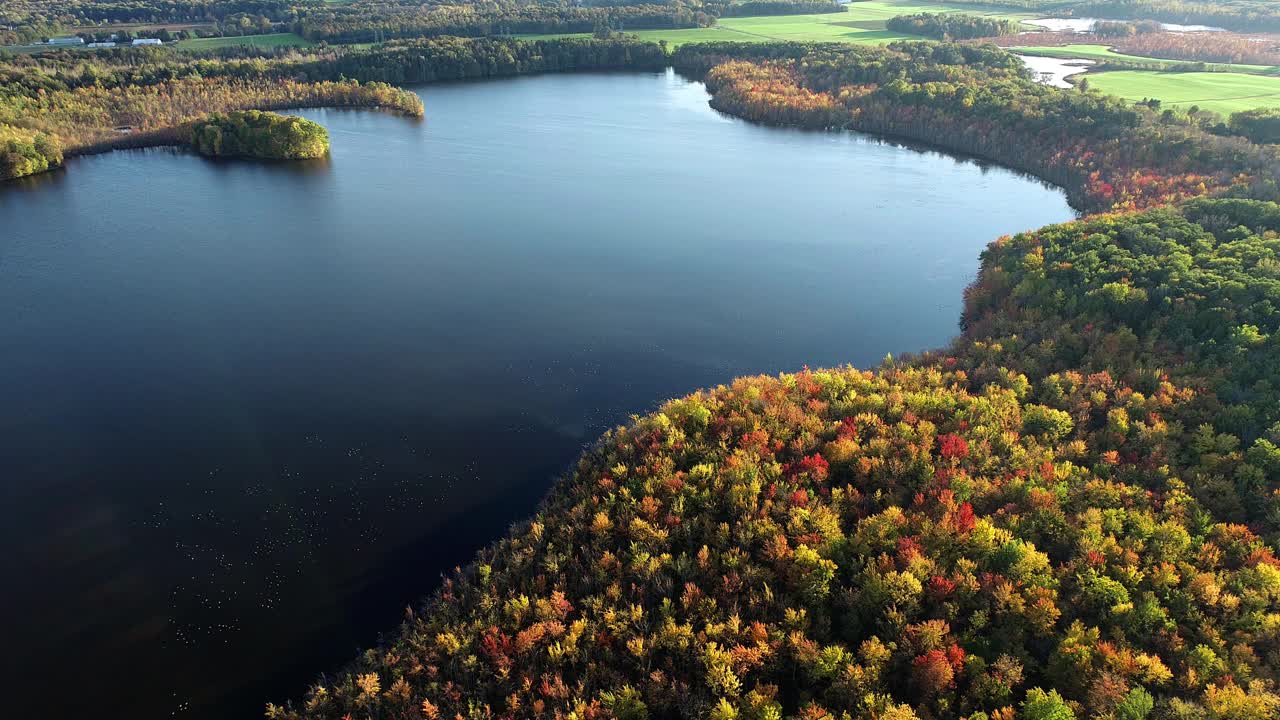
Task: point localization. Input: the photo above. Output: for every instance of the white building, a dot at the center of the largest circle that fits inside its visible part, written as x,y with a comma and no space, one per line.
100,44
147,41
66,41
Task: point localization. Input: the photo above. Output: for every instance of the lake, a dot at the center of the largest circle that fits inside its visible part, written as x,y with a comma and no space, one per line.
1086,24
1053,71
252,411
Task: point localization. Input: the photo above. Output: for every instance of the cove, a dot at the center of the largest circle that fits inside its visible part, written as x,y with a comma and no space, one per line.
253,410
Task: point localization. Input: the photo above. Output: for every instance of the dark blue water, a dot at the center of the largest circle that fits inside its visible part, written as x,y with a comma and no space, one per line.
250,412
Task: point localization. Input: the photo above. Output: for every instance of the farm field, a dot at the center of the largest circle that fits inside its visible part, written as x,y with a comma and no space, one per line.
1231,88
862,22
675,37
270,40
1220,92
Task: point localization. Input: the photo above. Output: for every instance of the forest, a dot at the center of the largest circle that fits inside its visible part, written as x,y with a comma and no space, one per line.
256,134
1238,15
31,20
1107,154
1260,126
367,21
1217,47
370,22
364,21
92,118
26,152
135,97
1123,28
1204,47
952,26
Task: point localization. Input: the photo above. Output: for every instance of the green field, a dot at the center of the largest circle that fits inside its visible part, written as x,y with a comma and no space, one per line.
674,37
271,40
862,22
1237,87
1220,92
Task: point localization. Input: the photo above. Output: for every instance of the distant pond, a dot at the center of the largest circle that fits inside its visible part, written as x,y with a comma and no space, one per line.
252,411
1086,24
1054,71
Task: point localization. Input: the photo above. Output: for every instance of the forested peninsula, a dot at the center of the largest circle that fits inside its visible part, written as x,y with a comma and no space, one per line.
139,97
75,118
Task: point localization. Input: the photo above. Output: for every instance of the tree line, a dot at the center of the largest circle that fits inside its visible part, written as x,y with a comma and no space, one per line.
1218,47
132,97
1106,153
952,26
1260,126
92,119
1239,15
372,22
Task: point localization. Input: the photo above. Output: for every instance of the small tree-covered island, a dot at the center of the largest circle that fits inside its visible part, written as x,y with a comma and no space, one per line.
256,134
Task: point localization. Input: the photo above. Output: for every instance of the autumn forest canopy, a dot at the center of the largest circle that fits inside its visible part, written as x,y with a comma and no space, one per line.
251,133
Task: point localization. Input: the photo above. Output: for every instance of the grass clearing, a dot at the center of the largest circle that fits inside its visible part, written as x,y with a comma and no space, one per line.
675,37
861,22
691,35
269,40
1220,92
